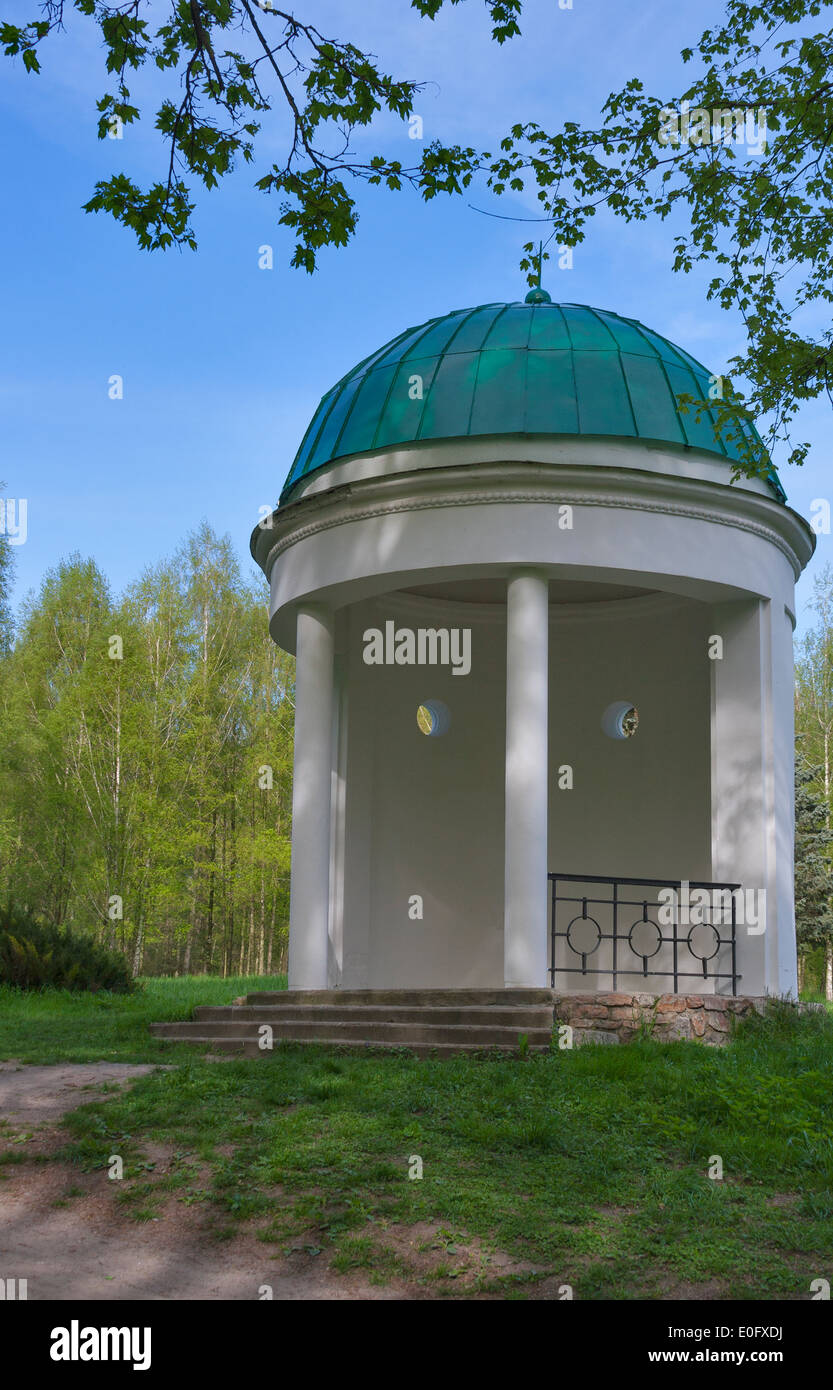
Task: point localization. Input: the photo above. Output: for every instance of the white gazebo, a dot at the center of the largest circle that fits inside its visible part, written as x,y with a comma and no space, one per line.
544,694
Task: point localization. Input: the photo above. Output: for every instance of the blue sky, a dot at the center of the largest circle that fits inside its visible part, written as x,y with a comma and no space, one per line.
224,363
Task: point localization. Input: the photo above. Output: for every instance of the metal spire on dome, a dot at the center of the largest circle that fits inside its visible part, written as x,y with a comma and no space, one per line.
538,295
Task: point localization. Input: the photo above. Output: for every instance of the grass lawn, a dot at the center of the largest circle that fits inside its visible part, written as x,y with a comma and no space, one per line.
587,1168
56,1025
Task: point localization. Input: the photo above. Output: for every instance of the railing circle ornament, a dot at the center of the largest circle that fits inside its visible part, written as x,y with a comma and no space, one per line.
650,934
704,928
586,920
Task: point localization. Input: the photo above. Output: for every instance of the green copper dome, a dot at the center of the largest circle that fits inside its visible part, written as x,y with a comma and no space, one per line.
535,368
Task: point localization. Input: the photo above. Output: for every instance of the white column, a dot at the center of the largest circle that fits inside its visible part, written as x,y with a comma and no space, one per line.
309,905
527,682
782,959
752,783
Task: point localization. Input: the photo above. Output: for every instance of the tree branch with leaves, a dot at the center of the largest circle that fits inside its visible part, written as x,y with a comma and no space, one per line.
761,222
330,90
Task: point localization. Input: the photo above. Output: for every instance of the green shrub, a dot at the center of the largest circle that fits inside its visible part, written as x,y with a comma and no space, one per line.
34,954
782,1021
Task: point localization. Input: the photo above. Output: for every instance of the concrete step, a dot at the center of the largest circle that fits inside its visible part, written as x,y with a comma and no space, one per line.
451,998
382,1033
534,1016
249,1048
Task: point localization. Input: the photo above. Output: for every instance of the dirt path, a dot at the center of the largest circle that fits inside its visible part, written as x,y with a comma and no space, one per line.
36,1095
91,1249
65,1232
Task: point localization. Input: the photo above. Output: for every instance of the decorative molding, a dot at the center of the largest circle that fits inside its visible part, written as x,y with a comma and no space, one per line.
662,457
457,612
396,493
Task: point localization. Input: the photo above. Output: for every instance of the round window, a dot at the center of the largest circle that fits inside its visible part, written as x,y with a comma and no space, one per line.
620,720
433,718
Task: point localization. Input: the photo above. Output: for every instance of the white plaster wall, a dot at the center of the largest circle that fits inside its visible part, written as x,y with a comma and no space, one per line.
638,806
425,815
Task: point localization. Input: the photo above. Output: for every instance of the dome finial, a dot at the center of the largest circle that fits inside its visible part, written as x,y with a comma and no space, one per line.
537,295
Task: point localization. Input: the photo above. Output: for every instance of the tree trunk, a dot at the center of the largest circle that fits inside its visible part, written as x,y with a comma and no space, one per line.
271,939
212,864
261,950
224,890
232,886
186,960
137,953
828,973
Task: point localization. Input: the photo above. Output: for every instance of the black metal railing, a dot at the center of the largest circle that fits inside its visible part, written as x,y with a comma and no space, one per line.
610,929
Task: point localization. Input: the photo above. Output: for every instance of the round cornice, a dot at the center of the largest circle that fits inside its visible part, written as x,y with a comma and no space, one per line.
459,613
488,484
645,455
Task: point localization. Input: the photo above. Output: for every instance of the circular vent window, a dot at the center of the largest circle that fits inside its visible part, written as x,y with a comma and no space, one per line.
621,719
433,718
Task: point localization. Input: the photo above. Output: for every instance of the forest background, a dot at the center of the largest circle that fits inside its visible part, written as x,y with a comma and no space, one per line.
146,774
